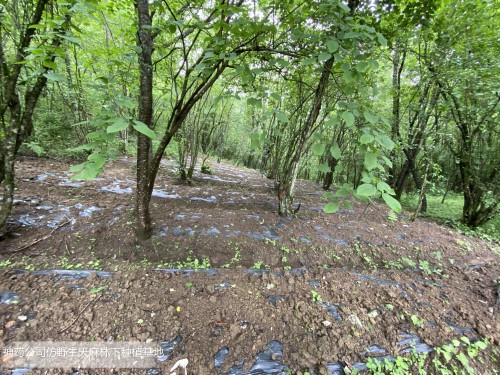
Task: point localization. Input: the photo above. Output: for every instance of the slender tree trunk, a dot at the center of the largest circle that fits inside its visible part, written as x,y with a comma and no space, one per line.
286,183
397,68
145,43
449,184
9,176
421,196
420,187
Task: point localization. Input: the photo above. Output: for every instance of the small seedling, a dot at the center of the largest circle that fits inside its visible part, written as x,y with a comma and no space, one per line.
392,216
316,297
416,321
257,265
97,290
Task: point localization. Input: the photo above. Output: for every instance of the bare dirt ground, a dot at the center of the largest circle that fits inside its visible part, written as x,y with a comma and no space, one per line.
257,293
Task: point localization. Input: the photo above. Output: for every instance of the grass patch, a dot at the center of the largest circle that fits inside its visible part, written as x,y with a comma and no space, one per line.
450,212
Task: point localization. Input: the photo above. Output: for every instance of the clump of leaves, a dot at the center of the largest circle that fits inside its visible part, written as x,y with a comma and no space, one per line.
316,297
417,321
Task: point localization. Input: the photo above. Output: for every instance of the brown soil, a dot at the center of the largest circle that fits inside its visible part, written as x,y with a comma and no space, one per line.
357,261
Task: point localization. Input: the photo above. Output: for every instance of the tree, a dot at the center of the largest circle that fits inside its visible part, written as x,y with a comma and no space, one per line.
466,72
24,72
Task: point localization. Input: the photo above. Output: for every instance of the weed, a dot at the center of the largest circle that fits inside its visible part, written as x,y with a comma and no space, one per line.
409,262
425,266
392,216
5,263
285,249
188,263
95,264
416,321
97,290
268,241
445,361
257,265
316,297
393,264
66,265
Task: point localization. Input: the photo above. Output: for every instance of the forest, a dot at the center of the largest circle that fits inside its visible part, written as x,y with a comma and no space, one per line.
332,167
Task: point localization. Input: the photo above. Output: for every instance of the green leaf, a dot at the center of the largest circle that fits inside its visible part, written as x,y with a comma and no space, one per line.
341,193
385,142
344,7
50,64
347,76
392,202
331,207
332,122
328,195
366,138
381,39
282,117
125,102
254,102
97,290
361,66
366,190
77,168
89,172
318,149
308,61
256,140
332,45
347,205
323,167
348,118
335,151
324,56
119,125
370,160
97,159
370,117
276,96
387,161
55,77
481,345
384,187
144,129
71,39
35,148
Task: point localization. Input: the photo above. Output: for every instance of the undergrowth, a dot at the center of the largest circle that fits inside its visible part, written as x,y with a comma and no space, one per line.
450,213
454,358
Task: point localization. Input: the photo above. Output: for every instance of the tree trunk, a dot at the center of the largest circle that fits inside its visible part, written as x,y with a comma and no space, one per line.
9,176
145,43
20,125
288,175
397,67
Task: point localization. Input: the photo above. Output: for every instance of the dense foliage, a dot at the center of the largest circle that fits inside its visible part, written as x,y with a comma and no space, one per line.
372,99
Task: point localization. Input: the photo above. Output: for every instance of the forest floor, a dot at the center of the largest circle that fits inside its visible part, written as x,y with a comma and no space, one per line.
230,285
